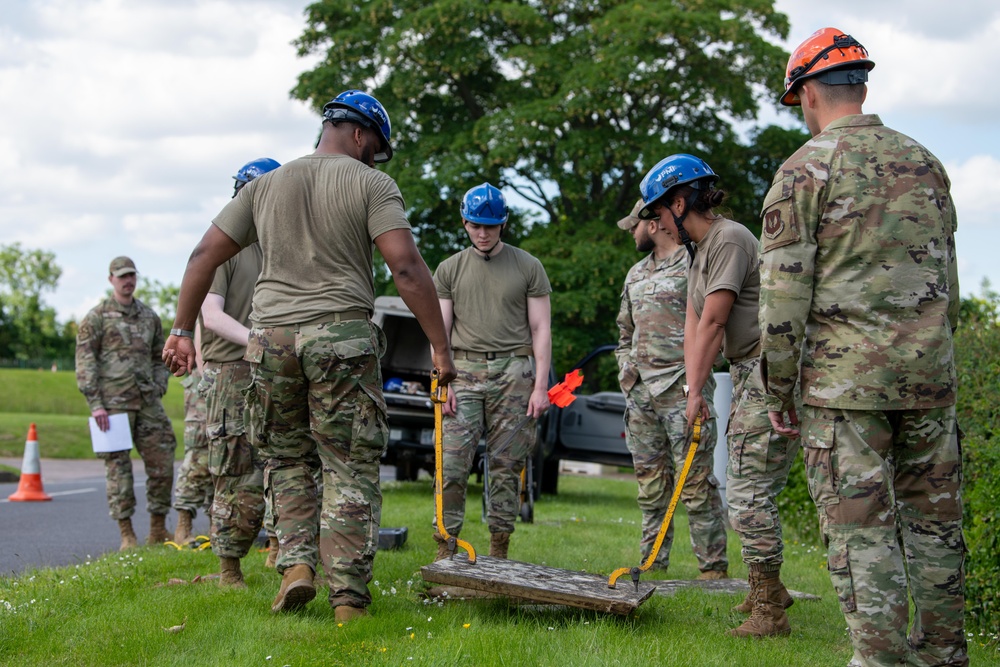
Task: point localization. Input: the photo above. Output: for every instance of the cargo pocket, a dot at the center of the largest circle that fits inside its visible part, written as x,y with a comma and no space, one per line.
819,452
748,454
369,429
229,455
839,564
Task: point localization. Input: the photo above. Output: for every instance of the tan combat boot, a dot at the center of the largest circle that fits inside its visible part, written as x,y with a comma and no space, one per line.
157,529
768,617
345,613
129,540
182,536
746,606
444,550
712,575
231,575
498,544
272,552
297,589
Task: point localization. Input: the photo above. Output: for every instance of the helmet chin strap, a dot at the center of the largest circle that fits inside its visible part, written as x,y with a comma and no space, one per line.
486,257
679,221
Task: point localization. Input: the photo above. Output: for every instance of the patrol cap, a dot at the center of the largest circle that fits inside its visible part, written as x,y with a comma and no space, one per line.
121,266
632,219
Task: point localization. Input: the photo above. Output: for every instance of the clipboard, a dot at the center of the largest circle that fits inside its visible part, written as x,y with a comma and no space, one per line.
116,439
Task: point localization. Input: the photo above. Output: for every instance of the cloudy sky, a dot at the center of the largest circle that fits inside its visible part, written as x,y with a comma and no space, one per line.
122,122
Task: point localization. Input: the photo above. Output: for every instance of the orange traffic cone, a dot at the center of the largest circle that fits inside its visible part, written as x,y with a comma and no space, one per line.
30,486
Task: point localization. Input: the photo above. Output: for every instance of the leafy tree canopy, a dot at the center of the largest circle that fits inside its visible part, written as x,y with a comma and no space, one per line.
28,328
565,105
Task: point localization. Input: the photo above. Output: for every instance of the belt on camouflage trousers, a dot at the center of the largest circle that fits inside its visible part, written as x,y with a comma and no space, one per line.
335,317
468,355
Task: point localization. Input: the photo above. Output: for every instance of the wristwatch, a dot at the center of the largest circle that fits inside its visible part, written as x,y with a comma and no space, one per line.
182,332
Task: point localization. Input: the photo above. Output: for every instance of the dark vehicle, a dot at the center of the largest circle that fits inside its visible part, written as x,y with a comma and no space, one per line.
406,371
591,429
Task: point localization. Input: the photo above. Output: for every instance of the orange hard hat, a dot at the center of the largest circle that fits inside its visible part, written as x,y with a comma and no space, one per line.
830,55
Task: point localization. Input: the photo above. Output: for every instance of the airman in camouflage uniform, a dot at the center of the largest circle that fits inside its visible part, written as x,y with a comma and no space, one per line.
315,396
236,467
722,305
194,486
495,301
859,281
118,347
651,373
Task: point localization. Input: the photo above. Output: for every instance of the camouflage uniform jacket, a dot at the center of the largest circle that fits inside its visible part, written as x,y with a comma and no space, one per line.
858,264
118,348
651,323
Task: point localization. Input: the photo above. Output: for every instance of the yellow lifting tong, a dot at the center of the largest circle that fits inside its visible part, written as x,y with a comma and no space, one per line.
439,396
636,571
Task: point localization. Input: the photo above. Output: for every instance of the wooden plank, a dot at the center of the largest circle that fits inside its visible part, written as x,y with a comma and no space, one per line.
538,583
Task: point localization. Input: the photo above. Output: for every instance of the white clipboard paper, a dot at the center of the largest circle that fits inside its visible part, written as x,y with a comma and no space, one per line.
116,439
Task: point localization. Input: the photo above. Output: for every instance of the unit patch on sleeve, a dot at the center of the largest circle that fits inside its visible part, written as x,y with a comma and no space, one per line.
773,225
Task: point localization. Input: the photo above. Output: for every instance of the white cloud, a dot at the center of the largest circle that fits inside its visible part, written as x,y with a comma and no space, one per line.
976,191
131,119
931,56
123,122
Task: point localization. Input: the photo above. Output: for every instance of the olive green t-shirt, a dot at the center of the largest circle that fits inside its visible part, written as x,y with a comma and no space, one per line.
727,259
316,219
234,282
490,299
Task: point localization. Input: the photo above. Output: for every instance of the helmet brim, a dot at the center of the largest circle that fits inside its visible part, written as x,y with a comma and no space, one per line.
336,112
485,222
790,98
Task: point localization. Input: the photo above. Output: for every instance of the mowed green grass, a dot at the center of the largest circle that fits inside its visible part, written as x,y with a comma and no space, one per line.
115,610
53,403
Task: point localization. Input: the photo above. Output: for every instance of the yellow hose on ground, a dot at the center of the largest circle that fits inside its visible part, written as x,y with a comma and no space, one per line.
439,395
635,571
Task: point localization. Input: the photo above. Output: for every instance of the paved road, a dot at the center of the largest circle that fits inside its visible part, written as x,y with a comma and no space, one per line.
74,526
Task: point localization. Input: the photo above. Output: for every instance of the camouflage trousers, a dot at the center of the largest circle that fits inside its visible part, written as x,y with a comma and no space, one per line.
316,401
757,470
153,437
656,434
237,470
269,502
888,489
194,486
491,397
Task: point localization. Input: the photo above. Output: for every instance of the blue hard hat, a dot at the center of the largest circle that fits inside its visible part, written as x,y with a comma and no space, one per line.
670,172
252,170
360,107
255,168
484,205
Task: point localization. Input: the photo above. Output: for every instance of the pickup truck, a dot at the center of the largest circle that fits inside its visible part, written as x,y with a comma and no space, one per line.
590,429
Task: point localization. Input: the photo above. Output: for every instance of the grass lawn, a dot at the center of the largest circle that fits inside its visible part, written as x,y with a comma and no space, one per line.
113,610
53,403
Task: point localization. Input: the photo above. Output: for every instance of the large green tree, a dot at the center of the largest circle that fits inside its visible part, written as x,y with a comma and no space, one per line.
28,328
161,297
564,104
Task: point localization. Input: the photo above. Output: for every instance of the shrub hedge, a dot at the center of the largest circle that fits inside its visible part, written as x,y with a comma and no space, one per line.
977,357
